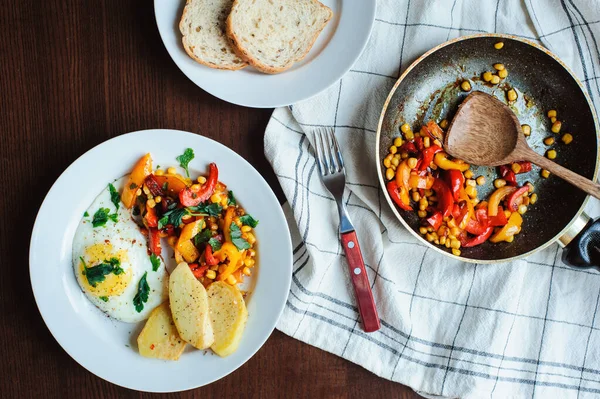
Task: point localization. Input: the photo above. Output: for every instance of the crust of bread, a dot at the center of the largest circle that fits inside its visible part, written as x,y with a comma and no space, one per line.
193,56
243,53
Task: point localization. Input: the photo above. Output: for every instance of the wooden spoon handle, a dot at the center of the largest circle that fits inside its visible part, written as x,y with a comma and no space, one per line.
577,180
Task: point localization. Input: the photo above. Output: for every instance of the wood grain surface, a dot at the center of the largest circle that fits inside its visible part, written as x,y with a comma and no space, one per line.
72,75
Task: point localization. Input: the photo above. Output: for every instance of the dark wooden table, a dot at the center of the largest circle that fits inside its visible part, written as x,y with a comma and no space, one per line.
74,74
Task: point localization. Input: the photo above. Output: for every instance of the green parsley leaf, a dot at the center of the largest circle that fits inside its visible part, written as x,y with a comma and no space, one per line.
231,199
104,298
96,274
202,237
162,222
142,295
248,220
157,166
86,214
101,217
155,260
214,243
115,198
165,186
173,217
206,208
184,160
236,237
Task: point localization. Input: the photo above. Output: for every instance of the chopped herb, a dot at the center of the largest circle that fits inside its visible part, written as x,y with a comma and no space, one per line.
184,160
206,208
214,243
155,260
236,237
165,186
157,166
248,220
96,274
162,222
173,217
142,295
173,205
115,198
104,298
231,199
86,214
132,186
202,237
136,210
102,216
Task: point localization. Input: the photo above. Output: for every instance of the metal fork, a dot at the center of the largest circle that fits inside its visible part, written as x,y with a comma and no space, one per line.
333,174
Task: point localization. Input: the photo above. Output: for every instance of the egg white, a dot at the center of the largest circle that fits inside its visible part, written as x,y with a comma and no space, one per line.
125,241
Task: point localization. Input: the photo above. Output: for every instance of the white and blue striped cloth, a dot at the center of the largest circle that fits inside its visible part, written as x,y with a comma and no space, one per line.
521,329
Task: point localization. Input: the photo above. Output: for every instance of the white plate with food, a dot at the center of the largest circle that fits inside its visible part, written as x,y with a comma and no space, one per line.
264,53
160,260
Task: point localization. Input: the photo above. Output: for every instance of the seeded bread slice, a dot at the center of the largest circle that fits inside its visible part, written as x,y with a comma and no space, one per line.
273,34
203,28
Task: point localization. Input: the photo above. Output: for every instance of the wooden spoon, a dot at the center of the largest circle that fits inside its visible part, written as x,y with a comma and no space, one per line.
486,132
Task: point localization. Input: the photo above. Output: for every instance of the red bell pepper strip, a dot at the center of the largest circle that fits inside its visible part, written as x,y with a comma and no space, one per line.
435,220
409,147
154,241
445,199
498,220
460,212
399,195
479,239
456,181
525,166
153,185
516,198
507,174
208,256
427,156
419,143
480,225
189,197
150,219
199,272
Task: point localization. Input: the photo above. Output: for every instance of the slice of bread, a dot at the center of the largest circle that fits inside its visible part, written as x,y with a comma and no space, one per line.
203,28
273,34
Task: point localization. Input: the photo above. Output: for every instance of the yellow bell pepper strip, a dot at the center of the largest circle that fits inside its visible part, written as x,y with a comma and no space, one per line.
227,223
188,232
403,175
138,174
442,161
424,182
512,227
496,197
230,252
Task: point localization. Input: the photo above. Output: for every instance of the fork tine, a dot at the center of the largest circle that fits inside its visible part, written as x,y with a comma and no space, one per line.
337,150
329,136
319,151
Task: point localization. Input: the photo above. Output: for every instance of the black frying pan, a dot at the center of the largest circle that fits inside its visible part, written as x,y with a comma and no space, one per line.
430,89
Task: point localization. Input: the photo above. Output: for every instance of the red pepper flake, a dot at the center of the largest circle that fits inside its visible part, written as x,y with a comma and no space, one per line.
152,347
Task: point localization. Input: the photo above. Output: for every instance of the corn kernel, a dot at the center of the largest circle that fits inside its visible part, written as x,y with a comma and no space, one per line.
510,239
556,126
171,171
159,172
515,167
552,113
503,74
210,274
526,200
138,192
404,155
499,45
251,239
471,191
395,161
215,198
465,85
393,149
526,130
533,198
480,180
455,244
498,67
447,244
454,231
442,240
146,190
455,252
157,199
150,203
195,187
415,196
551,154
487,76
522,209
469,174
429,237
251,253
549,140
246,271
511,95
437,142
545,173
471,182
412,163
246,229
444,124
231,280
567,138
398,141
214,227
495,79
409,135
499,183
387,163
201,179
224,202
422,214
249,262
405,128
427,142
389,174
552,120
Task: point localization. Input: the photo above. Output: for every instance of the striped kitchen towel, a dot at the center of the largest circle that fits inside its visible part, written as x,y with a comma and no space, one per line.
520,329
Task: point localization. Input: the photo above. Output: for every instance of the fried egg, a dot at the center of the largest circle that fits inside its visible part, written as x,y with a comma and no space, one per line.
112,264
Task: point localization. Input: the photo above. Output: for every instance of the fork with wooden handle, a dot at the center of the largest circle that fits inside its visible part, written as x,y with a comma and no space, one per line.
333,175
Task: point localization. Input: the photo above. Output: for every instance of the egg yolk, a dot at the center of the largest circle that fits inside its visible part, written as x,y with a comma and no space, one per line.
113,284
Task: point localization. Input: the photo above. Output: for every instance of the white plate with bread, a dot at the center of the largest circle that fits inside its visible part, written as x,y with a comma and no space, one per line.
152,342
264,53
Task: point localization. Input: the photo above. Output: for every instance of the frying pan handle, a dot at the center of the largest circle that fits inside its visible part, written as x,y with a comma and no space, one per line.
584,248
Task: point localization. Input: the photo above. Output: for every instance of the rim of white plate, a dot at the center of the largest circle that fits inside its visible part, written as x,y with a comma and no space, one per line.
96,341
337,48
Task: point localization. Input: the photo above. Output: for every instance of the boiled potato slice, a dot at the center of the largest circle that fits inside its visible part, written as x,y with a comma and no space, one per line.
159,338
228,314
189,305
